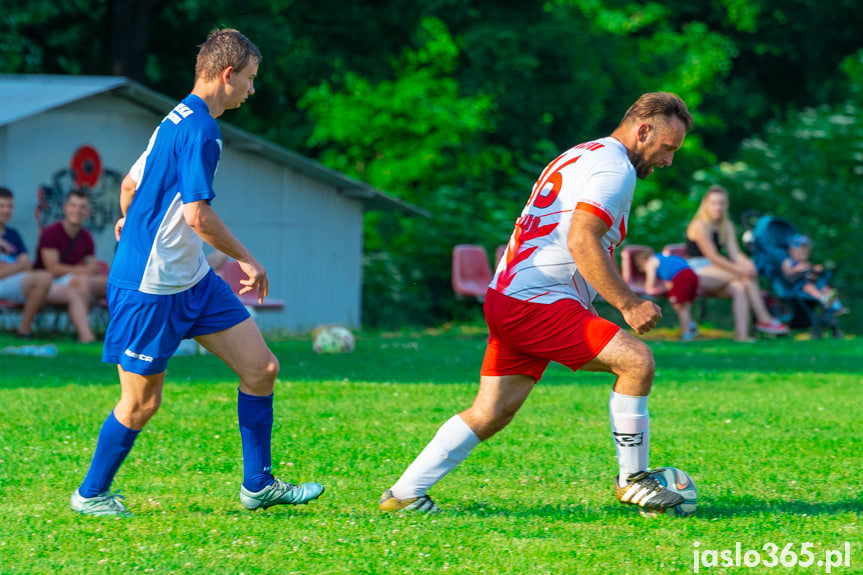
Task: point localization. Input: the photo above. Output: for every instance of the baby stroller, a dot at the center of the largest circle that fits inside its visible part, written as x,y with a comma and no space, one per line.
766,239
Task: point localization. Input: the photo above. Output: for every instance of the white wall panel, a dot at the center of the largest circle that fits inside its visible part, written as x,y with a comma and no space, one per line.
307,235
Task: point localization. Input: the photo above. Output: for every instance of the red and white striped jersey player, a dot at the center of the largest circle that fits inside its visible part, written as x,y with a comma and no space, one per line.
596,177
538,306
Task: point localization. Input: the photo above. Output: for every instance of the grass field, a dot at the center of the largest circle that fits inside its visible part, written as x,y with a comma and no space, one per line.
771,433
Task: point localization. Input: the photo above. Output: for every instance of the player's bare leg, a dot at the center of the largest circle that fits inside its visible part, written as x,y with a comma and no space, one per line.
632,362
497,401
243,349
140,398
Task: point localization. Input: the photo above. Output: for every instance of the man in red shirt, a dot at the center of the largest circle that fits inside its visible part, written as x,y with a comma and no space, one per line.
67,251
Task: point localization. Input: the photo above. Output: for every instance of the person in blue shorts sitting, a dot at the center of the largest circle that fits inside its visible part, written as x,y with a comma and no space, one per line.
161,289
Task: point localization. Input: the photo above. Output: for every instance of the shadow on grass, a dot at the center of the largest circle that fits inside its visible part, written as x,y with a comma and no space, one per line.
435,359
756,507
228,510
706,510
574,512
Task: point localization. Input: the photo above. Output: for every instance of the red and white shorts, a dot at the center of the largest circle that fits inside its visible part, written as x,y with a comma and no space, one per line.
524,337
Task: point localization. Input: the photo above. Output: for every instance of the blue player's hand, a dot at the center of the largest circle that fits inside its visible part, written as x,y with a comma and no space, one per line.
257,280
118,227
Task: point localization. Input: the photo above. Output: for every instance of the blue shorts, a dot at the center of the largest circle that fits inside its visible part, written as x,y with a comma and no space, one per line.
146,329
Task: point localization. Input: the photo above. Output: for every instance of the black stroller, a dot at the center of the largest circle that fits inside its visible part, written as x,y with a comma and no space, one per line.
766,239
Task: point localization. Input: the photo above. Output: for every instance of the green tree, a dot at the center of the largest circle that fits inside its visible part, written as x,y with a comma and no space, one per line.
807,169
416,137
500,88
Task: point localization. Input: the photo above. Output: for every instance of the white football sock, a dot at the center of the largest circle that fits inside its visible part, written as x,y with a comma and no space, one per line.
450,446
630,428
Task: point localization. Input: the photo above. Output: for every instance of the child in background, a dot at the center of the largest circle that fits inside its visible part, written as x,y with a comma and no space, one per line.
678,278
802,275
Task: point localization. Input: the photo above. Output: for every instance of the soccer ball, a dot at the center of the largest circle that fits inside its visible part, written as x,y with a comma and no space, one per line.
333,339
678,481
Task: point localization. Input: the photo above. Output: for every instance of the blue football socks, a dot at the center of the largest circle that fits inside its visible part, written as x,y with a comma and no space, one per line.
114,444
255,414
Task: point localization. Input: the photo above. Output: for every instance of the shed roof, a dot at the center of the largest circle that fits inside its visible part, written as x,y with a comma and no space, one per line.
24,95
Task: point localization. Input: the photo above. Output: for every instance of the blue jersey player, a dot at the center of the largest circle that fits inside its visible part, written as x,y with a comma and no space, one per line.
161,289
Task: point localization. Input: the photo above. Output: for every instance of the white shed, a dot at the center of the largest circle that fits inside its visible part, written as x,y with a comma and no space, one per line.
301,220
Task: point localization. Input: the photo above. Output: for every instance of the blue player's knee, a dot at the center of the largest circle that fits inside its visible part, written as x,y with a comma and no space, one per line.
260,378
136,414
271,368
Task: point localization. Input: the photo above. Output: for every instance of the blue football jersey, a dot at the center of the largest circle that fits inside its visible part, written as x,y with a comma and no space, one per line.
158,252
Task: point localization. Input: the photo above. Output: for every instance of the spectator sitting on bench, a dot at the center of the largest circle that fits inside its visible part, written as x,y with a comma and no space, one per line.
730,274
67,251
18,282
680,281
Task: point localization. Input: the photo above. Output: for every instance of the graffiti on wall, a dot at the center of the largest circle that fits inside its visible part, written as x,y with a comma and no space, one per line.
84,173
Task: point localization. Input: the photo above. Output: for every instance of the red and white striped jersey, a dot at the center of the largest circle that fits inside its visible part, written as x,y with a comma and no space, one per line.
538,267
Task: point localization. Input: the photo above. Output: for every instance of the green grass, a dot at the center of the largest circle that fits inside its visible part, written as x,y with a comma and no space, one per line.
771,433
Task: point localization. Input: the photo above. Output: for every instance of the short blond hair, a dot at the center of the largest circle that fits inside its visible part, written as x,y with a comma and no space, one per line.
223,49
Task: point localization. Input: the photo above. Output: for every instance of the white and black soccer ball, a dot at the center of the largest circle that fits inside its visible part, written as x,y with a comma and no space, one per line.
678,481
333,339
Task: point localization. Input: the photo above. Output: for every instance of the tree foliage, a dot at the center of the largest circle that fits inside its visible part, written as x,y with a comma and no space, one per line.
456,106
807,169
419,138
399,134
